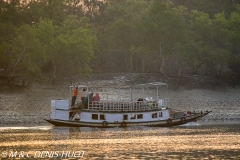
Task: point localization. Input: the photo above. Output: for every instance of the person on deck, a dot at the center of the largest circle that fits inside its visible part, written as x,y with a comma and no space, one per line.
96,98
87,99
75,93
83,95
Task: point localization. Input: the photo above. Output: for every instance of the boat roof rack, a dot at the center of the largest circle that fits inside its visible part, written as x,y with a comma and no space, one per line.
152,84
89,85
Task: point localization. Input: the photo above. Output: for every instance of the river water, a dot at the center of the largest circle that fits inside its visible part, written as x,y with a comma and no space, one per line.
201,140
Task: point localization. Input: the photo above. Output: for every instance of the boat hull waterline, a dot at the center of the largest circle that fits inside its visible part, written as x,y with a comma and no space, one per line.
105,124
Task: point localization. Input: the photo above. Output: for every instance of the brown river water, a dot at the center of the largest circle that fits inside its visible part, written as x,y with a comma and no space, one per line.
201,140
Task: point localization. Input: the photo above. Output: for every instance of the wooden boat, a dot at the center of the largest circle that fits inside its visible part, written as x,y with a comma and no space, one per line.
120,112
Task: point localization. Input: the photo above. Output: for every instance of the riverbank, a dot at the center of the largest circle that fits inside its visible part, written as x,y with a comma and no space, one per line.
32,105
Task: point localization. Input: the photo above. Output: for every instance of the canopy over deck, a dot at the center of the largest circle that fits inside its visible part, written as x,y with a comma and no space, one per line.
113,92
91,85
152,84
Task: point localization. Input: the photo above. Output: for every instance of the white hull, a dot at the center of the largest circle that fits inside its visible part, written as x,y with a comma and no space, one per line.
160,122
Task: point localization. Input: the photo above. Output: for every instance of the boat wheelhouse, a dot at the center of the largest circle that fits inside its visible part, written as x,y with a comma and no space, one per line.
119,111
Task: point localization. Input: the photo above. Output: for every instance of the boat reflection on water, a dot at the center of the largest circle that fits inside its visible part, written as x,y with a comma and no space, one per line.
117,132
58,132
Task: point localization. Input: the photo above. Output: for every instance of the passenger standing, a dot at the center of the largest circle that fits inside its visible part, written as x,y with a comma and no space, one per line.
75,93
83,94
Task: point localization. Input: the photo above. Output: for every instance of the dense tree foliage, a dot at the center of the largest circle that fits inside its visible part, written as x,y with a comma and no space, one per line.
54,38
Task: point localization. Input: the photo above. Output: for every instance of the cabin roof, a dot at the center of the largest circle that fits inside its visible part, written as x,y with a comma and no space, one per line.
152,84
119,85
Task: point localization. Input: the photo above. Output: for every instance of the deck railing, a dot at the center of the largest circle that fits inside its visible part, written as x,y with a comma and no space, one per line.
119,106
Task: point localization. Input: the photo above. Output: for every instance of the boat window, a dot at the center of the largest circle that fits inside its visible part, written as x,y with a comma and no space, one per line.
160,114
125,117
133,116
154,115
95,116
140,116
102,117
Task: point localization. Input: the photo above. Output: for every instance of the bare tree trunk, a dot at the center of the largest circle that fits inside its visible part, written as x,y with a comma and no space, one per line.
143,65
162,65
19,58
161,70
131,61
180,72
54,69
127,62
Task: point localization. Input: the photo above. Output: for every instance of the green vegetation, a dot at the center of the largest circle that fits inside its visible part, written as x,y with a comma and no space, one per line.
63,38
